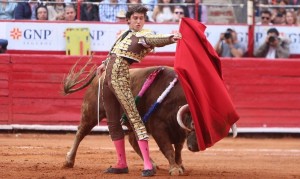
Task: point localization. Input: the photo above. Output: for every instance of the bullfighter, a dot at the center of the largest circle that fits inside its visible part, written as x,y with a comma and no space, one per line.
131,47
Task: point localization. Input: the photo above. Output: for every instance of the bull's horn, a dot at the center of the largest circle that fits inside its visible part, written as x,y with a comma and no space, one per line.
234,130
181,111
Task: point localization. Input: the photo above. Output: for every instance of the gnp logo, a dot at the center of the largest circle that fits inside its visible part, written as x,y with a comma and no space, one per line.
30,34
16,33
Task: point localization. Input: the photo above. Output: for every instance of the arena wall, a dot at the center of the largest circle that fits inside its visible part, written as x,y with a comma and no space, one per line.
266,93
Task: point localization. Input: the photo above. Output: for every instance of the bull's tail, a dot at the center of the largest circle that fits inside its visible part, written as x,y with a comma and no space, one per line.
74,78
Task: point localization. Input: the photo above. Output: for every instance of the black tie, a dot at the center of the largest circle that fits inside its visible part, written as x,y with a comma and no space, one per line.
125,34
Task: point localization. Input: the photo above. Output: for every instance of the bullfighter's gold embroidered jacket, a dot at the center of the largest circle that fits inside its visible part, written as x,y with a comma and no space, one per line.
136,45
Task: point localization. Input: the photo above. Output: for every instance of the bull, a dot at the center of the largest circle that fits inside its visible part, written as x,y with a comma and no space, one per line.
162,124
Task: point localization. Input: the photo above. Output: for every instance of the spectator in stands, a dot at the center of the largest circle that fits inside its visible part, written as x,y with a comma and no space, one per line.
121,17
296,3
191,8
229,46
278,14
282,3
22,11
56,10
89,12
279,19
273,46
41,13
150,4
26,10
291,18
3,45
178,13
7,10
108,9
163,13
265,18
188,6
203,13
70,13
131,3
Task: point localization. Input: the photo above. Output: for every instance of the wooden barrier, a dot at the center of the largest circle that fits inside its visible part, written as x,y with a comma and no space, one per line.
265,93
5,101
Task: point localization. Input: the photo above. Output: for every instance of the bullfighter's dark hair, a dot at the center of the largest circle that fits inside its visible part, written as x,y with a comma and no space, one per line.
136,9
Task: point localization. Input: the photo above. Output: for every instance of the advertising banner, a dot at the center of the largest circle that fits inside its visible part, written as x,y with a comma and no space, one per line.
50,36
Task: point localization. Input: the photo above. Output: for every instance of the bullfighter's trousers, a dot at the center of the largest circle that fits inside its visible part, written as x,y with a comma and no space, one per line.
117,91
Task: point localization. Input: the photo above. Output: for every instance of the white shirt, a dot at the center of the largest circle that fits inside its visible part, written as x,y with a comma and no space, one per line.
165,16
271,53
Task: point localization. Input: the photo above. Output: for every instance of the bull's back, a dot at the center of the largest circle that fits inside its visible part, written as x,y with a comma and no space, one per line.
165,114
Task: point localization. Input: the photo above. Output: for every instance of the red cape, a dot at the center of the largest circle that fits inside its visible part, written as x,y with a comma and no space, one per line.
199,70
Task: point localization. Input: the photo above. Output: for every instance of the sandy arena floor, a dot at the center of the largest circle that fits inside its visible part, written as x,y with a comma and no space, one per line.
34,155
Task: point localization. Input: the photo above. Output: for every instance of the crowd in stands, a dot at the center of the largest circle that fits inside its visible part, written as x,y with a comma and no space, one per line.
105,11
280,12
267,12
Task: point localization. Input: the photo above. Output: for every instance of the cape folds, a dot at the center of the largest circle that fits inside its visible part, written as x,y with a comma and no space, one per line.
199,70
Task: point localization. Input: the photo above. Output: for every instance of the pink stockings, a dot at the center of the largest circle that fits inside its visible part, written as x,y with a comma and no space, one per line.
120,149
143,144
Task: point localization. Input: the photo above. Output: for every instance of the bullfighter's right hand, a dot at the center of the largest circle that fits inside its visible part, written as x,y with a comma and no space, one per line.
100,69
177,36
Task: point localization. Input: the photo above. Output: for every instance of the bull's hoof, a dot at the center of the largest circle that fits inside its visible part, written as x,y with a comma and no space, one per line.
176,171
182,167
67,165
155,165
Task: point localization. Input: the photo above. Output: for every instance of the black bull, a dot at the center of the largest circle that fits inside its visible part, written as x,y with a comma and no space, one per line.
162,124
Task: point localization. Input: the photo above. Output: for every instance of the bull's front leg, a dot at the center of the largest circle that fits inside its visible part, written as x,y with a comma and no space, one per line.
83,130
165,145
178,150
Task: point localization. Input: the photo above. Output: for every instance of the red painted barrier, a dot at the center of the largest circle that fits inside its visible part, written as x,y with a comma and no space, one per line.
5,102
266,93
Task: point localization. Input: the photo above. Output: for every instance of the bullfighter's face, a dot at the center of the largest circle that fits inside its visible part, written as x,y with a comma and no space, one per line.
136,21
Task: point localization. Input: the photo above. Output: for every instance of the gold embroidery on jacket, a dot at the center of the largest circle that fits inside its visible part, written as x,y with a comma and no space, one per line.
158,40
147,38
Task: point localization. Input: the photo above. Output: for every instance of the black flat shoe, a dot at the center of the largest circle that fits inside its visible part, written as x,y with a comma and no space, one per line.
148,173
116,170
